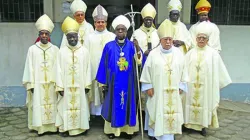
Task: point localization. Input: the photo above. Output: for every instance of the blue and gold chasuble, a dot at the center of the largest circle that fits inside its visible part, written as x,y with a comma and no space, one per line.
117,70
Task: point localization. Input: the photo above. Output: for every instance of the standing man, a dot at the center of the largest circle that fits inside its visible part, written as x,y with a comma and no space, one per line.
161,76
182,38
78,8
208,75
73,81
117,72
95,43
37,79
203,7
146,38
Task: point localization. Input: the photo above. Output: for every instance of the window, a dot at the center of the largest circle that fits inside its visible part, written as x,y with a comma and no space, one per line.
20,10
226,12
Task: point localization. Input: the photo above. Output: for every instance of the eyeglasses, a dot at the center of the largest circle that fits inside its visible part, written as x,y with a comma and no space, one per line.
202,37
79,15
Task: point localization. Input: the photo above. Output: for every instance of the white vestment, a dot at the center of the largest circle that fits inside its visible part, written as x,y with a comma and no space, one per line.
95,43
84,30
164,71
38,75
144,37
214,38
208,75
182,33
73,76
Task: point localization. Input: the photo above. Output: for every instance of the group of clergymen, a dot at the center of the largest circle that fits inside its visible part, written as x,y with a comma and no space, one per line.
95,72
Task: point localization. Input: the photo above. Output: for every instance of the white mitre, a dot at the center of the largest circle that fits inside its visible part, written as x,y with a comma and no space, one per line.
78,5
44,23
204,28
174,5
121,20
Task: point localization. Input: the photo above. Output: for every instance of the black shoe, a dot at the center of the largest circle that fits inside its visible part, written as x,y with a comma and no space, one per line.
64,134
129,137
111,136
40,135
184,129
204,132
85,132
151,138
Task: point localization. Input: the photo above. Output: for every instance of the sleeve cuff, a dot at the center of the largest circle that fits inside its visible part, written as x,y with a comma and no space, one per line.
145,86
29,86
101,85
183,86
59,88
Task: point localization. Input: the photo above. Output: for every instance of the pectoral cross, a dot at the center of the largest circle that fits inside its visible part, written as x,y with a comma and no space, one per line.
170,71
73,68
81,34
198,68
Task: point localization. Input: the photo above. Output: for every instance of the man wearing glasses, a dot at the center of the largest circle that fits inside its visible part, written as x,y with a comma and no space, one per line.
207,75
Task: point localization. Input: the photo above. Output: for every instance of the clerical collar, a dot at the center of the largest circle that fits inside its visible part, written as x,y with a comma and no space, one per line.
120,41
166,51
43,45
178,21
74,47
147,30
102,32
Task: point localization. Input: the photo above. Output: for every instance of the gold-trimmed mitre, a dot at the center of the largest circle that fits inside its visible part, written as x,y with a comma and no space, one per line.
100,13
69,25
166,29
203,6
148,11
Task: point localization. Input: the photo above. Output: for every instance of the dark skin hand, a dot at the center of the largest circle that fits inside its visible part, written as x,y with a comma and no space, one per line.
137,47
86,90
178,43
32,90
61,93
147,52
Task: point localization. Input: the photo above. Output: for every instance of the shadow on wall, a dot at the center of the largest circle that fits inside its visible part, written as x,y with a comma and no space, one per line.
57,34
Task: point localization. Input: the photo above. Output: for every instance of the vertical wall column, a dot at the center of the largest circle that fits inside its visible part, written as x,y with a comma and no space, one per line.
48,8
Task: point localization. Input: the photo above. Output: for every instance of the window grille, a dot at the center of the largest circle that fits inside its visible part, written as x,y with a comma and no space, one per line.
20,10
226,12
